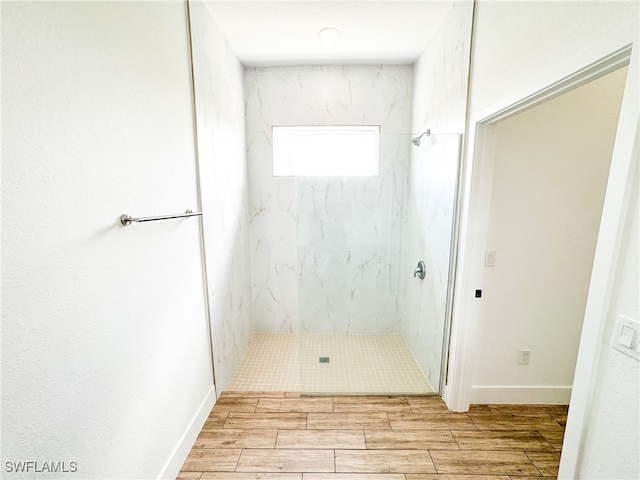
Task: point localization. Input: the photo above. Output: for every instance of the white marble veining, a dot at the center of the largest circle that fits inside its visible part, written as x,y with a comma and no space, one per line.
325,251
223,186
439,103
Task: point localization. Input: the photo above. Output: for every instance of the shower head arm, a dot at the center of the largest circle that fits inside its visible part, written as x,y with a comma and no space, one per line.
416,140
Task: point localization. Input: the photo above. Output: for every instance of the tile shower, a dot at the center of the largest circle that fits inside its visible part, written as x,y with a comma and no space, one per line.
324,257
328,253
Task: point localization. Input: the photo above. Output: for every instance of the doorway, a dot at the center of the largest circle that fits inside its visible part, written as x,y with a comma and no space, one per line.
551,165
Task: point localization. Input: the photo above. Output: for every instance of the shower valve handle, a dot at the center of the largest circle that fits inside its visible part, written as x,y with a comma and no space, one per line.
420,271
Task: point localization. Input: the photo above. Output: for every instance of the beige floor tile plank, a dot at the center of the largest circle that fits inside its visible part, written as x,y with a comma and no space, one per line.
369,407
255,460
212,459
342,421
390,400
427,409
547,463
529,408
436,476
353,476
561,418
478,408
302,405
216,420
501,440
515,421
410,439
476,463
236,404
236,438
425,399
189,476
251,476
384,461
362,404
242,393
427,405
518,477
270,421
316,439
554,437
435,421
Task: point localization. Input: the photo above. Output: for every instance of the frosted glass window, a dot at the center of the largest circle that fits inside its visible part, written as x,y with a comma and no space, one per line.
326,151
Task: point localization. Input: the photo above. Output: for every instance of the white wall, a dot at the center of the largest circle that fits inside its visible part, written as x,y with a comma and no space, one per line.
223,177
516,44
440,78
326,251
105,354
611,448
549,180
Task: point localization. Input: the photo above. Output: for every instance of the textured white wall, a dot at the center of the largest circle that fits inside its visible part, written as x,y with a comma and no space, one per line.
105,358
223,177
611,449
549,180
440,79
332,265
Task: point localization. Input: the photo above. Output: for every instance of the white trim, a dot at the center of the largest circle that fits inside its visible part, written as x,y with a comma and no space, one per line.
598,68
514,394
182,449
473,235
594,69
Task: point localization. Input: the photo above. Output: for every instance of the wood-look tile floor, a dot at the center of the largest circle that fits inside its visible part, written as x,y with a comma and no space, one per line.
279,436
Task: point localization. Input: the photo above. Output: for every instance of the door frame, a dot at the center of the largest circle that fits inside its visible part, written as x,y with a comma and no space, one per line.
620,49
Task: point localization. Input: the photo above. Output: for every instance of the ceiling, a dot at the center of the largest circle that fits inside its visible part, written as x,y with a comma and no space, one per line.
268,33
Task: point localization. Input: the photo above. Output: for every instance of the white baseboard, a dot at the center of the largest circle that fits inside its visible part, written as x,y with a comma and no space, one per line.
180,453
511,394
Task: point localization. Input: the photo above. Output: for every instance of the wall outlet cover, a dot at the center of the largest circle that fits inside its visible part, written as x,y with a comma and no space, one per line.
523,357
626,336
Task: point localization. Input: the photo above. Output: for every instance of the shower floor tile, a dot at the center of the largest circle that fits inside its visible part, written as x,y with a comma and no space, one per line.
358,364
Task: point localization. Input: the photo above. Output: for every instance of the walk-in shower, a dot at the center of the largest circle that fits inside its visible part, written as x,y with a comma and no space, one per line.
336,306
331,279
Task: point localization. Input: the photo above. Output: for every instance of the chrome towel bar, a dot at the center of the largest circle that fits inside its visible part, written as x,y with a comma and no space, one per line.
128,220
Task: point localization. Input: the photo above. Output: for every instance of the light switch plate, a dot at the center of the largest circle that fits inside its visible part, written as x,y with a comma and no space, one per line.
626,332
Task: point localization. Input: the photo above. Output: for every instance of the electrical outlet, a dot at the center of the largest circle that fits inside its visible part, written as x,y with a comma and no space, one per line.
523,357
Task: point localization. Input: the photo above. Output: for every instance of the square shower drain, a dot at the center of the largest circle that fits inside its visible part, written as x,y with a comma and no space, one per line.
323,359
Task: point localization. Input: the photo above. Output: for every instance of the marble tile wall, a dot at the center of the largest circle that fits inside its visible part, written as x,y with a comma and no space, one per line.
439,103
325,252
223,188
